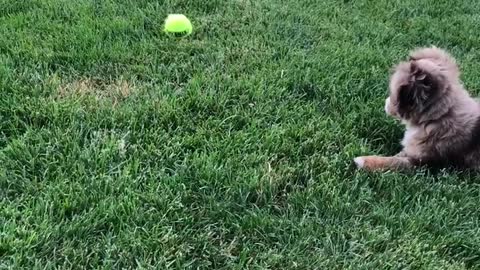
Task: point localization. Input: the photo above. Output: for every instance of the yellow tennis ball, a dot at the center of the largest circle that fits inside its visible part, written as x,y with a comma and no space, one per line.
178,25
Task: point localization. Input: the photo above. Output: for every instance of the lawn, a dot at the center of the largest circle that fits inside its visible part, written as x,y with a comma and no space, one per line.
123,148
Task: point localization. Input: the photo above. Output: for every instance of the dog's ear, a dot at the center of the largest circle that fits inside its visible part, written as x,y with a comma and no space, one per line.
414,93
422,83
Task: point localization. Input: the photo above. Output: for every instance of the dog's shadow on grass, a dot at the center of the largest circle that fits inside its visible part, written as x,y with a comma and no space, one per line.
465,175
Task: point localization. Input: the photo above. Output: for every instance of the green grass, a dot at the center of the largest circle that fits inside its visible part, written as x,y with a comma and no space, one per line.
230,149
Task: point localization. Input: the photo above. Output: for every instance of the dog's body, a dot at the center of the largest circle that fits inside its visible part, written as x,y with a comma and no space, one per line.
442,120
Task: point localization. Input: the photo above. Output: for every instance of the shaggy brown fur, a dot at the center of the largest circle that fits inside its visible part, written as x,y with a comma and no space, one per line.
442,120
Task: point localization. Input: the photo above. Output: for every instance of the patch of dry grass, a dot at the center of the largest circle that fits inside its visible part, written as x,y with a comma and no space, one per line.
116,90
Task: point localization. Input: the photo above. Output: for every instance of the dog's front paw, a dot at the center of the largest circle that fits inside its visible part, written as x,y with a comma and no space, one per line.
371,163
378,163
359,162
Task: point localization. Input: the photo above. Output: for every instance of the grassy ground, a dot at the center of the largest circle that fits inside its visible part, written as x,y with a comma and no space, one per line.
229,149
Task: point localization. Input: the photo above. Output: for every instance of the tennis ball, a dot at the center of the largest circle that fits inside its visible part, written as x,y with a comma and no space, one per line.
178,25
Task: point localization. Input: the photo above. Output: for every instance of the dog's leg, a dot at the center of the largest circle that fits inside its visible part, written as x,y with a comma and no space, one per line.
377,163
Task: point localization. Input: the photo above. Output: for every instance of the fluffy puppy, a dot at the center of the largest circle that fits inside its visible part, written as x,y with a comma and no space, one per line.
442,120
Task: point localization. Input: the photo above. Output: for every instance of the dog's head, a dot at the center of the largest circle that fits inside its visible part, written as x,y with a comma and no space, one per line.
416,86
